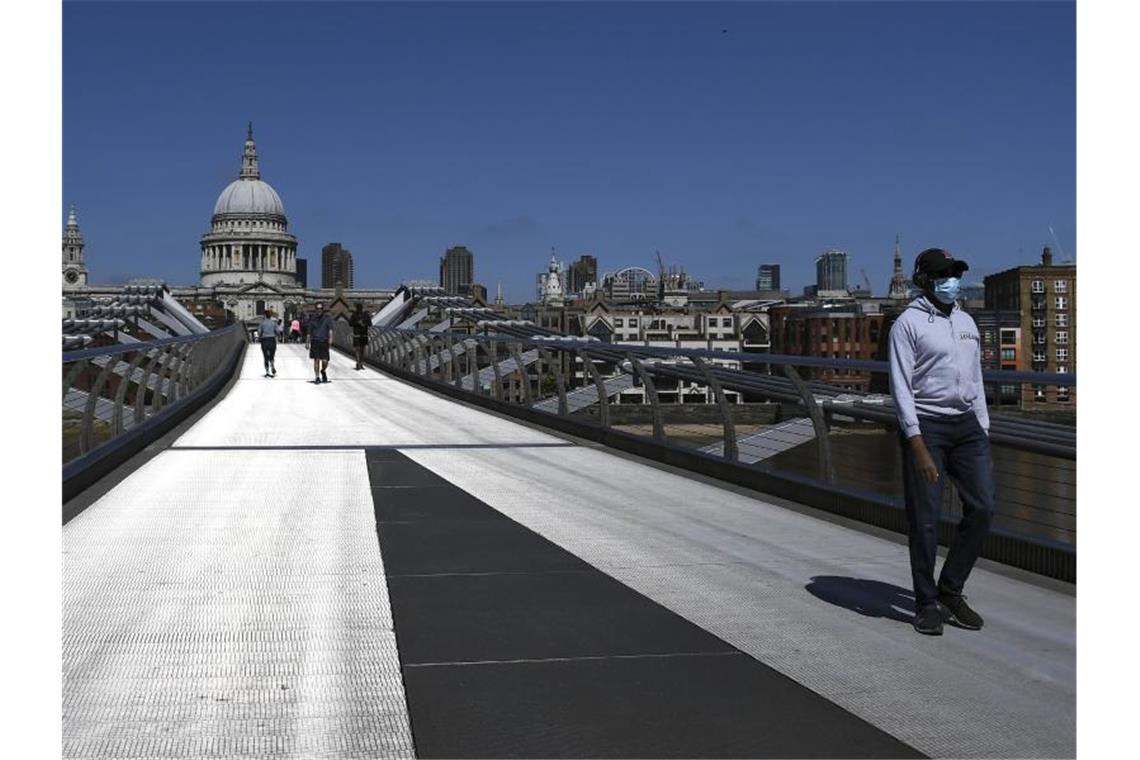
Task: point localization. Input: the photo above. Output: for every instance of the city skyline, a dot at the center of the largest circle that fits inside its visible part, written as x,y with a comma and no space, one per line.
613,131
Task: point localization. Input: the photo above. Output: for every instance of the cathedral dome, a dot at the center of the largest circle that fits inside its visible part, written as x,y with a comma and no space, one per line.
249,196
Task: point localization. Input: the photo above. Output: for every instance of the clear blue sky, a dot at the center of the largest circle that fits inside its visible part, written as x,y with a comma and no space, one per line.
725,135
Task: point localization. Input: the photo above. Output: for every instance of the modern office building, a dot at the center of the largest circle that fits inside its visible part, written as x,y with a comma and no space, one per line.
457,271
582,272
768,277
336,267
831,270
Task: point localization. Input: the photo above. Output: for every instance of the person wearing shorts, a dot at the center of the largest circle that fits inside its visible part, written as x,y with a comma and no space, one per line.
320,334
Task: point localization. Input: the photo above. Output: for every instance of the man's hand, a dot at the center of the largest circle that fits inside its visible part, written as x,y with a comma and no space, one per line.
922,460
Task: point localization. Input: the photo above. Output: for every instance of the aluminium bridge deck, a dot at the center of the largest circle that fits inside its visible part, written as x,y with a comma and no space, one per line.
363,569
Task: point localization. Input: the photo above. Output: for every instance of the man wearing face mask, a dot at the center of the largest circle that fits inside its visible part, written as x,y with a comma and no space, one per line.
936,384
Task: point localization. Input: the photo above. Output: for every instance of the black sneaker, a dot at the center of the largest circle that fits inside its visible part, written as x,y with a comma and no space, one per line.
324,377
317,380
273,370
959,613
928,620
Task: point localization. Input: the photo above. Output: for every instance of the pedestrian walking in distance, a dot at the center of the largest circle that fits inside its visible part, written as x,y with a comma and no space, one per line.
940,402
267,333
360,321
295,331
320,333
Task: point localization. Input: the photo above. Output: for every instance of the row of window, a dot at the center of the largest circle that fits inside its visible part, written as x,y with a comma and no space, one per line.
1061,320
1039,393
660,324
1059,286
1062,356
1061,337
1060,303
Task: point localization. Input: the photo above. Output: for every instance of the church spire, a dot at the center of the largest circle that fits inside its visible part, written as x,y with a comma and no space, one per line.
72,222
898,288
249,168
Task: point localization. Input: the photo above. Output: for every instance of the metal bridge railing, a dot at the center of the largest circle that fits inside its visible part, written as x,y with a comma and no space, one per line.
108,392
825,426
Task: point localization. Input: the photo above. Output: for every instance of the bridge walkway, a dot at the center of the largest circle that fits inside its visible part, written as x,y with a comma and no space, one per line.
527,596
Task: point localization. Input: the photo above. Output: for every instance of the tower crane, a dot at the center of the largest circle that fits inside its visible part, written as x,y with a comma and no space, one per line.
866,280
1058,243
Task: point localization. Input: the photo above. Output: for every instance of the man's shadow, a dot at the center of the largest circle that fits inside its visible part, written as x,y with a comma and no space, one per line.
870,598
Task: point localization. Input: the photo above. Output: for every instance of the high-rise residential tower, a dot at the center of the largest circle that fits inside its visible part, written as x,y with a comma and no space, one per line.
457,270
336,267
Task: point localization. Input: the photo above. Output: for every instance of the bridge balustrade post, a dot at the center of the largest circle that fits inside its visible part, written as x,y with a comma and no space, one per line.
144,385
730,450
163,361
73,374
86,429
559,381
441,345
603,400
121,392
651,392
823,443
456,376
516,353
418,352
494,354
408,352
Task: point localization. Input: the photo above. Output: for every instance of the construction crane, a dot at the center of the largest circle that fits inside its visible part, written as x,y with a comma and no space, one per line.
1058,243
866,280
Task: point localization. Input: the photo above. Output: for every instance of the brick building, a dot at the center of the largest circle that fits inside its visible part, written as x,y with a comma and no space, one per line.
1045,298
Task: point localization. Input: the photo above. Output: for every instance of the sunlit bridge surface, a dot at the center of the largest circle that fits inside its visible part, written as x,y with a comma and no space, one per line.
365,568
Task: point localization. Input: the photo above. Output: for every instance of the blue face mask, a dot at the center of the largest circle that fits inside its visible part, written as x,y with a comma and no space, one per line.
946,289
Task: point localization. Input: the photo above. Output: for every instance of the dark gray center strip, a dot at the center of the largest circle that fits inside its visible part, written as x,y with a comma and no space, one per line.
510,646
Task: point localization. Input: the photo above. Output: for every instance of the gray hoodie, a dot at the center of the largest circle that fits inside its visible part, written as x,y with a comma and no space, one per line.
936,366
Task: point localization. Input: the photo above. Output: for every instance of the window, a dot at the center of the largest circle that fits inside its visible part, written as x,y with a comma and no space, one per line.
1038,357
1062,337
1008,354
1009,337
1062,393
1039,321
1062,302
1062,354
1039,338
1062,320
1038,286
1039,393
988,337
1063,369
1038,304
726,322
619,322
1060,286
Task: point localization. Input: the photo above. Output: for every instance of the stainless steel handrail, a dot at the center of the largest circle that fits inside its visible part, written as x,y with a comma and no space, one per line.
109,391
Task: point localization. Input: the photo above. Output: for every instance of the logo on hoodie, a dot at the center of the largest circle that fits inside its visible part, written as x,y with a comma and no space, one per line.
970,336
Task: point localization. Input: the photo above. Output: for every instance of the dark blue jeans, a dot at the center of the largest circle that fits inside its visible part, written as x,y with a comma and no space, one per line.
961,451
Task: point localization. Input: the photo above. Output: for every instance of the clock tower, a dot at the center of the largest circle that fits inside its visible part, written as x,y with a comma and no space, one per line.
74,266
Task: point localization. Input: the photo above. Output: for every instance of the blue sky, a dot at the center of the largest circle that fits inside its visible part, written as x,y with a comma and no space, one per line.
724,135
